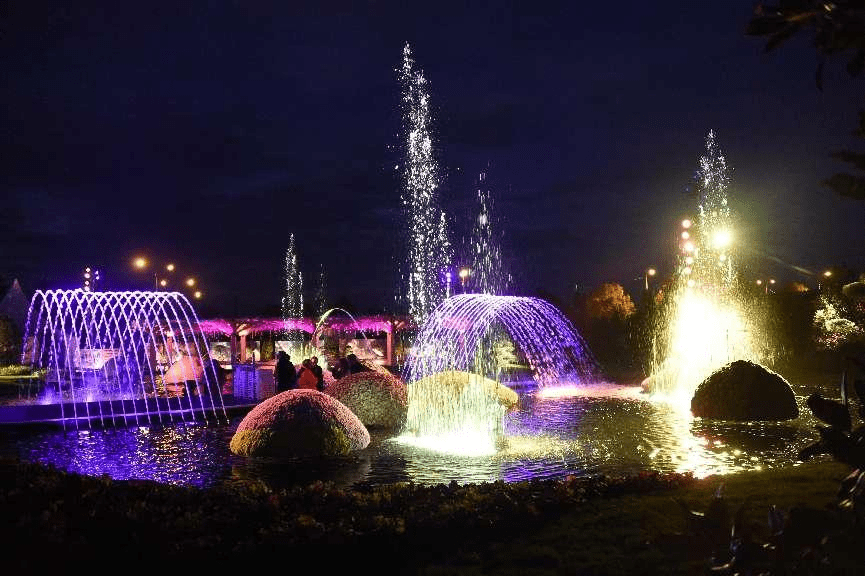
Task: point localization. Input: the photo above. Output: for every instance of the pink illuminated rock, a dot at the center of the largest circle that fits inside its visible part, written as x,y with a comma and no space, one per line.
299,423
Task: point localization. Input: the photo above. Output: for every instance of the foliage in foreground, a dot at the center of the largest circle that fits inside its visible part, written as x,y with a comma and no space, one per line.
42,508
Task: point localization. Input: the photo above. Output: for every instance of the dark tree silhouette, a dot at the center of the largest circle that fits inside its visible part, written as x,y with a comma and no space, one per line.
838,30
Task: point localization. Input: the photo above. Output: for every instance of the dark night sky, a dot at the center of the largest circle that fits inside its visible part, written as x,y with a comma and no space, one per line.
206,133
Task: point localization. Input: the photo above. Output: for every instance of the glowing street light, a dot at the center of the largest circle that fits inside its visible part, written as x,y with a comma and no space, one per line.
464,273
765,285
722,239
91,279
649,272
160,280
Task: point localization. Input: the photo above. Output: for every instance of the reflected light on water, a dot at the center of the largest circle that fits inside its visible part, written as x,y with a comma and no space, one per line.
466,443
606,429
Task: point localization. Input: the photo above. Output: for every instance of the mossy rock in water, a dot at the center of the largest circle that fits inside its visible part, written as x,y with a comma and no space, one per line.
744,390
379,399
456,383
299,422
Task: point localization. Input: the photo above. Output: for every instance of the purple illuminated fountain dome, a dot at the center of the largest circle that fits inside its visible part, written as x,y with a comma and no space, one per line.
463,349
118,358
471,333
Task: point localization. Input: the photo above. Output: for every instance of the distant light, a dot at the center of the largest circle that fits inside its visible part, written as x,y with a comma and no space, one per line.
140,262
464,272
686,223
689,246
163,282
685,235
691,283
190,282
651,271
771,281
197,294
759,282
686,270
722,257
827,273
689,260
170,267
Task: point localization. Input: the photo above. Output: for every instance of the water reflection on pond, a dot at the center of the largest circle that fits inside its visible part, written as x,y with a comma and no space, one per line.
607,430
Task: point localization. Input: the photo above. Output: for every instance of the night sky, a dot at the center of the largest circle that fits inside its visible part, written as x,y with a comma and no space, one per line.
206,133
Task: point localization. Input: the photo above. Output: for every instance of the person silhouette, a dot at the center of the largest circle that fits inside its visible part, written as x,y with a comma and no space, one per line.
284,372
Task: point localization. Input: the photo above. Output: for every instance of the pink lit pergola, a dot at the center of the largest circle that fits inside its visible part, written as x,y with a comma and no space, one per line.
238,329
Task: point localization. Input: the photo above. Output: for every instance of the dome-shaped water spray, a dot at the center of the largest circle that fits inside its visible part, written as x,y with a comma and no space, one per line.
119,357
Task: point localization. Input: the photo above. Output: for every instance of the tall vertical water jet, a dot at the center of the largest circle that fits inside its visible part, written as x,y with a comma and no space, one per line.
427,246
488,275
292,299
120,357
460,337
705,326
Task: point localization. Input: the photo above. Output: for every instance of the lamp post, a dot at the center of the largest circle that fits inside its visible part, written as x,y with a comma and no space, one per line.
464,274
159,280
766,284
649,272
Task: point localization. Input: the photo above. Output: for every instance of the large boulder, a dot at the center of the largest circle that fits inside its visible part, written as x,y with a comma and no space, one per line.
299,423
379,399
744,390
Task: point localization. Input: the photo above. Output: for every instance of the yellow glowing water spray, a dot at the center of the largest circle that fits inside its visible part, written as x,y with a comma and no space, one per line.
705,325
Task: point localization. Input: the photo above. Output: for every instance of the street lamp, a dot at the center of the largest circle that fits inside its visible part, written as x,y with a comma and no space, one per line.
649,272
464,273
91,279
765,285
159,280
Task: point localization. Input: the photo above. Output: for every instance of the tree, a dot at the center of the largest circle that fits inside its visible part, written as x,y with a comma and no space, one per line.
10,341
608,309
839,30
609,301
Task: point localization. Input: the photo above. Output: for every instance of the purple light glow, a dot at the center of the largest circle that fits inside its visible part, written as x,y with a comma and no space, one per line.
462,331
108,357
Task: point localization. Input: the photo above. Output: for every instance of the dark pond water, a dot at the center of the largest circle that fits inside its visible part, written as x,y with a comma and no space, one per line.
610,429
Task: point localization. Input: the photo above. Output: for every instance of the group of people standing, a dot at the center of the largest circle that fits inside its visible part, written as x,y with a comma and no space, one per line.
310,375
347,365
287,376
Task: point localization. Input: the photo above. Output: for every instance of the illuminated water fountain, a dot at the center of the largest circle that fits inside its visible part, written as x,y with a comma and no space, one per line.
428,249
118,358
706,325
461,337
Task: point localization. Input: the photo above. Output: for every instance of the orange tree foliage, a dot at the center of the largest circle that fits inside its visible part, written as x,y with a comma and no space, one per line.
609,301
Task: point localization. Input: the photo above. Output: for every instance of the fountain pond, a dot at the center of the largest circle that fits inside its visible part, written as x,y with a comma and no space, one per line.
606,429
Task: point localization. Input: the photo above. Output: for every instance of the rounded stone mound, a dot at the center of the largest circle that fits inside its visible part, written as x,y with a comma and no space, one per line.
456,382
744,390
378,399
299,423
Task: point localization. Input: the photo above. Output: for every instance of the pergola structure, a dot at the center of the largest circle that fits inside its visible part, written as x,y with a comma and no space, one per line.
237,329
